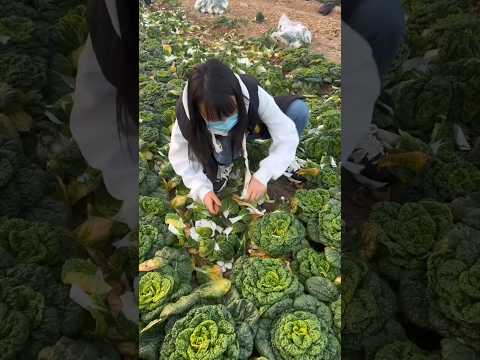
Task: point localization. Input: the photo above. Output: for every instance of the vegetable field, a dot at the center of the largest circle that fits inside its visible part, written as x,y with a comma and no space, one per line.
258,281
411,279
61,280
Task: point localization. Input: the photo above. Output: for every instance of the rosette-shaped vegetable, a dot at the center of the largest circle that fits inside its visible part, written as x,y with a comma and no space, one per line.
30,242
302,335
265,282
401,350
454,285
322,143
68,349
277,233
467,210
447,180
310,202
309,263
153,235
153,205
326,226
369,305
408,233
205,333
157,288
303,330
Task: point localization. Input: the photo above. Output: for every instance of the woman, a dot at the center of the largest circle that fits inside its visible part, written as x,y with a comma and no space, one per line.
104,118
216,112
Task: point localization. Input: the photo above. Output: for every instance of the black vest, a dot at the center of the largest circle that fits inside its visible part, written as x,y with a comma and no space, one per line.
255,124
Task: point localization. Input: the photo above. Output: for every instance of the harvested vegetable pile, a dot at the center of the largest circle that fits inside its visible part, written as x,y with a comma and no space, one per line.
61,280
258,281
412,290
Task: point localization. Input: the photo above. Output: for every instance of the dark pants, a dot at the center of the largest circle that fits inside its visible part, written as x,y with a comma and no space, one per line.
382,24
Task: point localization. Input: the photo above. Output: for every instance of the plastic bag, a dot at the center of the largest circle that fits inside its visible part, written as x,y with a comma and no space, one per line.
216,7
291,33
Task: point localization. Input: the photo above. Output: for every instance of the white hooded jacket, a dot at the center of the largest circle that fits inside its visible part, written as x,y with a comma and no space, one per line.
285,141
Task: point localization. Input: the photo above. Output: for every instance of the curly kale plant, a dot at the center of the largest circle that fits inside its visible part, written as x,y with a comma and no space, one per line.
304,330
408,232
453,283
277,233
265,282
205,333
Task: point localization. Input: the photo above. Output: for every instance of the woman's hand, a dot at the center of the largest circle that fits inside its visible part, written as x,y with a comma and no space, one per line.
212,202
256,190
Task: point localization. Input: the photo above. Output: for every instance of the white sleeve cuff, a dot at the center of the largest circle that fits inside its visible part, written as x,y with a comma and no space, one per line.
263,175
199,194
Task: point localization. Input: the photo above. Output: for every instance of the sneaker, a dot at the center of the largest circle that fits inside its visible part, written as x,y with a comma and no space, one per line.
326,9
222,177
292,171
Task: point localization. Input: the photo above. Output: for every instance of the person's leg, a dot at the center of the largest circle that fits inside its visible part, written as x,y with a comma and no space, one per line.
299,112
382,24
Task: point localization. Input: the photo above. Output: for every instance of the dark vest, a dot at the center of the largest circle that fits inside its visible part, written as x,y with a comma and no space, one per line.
255,124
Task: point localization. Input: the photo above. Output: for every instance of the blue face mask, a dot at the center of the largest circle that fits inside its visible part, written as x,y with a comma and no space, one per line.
223,127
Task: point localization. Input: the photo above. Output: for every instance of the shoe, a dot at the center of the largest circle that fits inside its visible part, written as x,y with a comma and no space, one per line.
292,171
326,9
221,181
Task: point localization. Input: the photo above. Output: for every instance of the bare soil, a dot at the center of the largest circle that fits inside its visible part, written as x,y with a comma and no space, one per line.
326,30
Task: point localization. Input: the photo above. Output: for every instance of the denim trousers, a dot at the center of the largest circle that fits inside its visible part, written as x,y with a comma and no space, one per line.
298,112
382,24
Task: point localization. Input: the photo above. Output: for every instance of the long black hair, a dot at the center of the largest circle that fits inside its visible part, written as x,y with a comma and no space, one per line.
118,58
213,84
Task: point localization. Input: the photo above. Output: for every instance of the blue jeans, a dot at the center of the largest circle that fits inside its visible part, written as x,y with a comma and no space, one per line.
382,24
298,111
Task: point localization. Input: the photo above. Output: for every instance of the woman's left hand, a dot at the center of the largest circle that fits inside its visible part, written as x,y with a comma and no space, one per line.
256,190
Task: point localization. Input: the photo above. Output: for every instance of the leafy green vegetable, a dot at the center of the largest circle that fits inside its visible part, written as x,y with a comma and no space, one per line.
401,350
277,233
264,281
408,232
309,263
453,273
206,332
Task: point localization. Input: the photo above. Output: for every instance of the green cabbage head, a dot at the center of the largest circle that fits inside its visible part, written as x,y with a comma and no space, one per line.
278,233
157,288
205,333
302,335
326,227
265,281
401,350
454,285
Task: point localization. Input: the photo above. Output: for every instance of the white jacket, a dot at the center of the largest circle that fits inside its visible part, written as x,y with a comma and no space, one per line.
360,89
281,153
94,128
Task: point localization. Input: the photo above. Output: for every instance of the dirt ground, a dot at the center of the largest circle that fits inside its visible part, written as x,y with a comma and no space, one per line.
326,30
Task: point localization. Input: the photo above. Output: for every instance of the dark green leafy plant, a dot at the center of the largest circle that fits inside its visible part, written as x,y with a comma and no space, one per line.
206,332
277,233
453,274
265,282
408,232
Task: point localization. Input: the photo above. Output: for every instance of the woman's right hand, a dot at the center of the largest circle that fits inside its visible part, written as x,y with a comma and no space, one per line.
212,202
